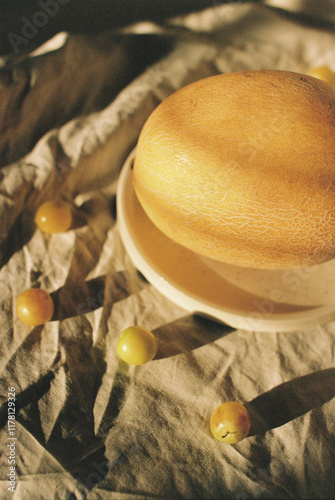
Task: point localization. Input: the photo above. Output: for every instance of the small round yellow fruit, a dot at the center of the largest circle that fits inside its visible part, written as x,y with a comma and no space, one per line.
136,345
34,307
230,422
54,216
323,73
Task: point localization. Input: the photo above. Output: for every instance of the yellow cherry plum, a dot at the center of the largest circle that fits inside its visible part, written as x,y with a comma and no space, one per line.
230,422
323,73
136,345
34,307
54,216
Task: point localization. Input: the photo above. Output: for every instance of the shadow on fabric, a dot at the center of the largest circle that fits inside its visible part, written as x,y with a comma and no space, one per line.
290,400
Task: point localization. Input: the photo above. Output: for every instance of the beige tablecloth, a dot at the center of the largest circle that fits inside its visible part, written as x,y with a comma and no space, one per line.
86,424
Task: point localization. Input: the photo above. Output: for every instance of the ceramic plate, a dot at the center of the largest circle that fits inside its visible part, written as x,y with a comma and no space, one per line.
249,299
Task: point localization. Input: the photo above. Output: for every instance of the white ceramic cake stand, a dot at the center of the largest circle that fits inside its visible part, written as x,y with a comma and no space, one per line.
249,299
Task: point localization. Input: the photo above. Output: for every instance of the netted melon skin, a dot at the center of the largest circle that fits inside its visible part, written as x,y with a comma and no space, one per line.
241,168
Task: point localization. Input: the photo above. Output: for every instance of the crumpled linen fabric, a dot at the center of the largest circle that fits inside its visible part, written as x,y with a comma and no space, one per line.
89,426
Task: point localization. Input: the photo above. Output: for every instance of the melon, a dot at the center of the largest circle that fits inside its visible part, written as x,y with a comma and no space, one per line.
240,168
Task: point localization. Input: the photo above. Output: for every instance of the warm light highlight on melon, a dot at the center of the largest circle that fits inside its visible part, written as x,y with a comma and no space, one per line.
241,168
